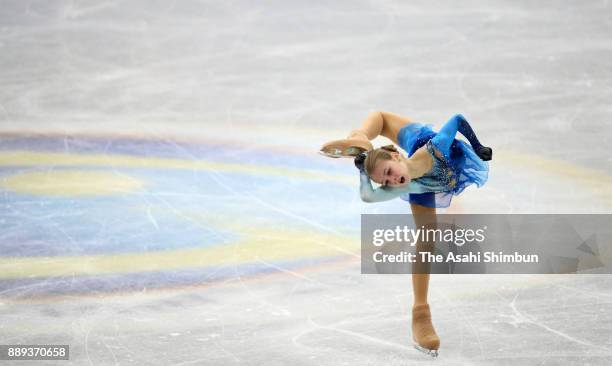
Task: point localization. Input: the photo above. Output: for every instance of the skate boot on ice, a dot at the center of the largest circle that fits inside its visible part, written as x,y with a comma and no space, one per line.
355,144
423,333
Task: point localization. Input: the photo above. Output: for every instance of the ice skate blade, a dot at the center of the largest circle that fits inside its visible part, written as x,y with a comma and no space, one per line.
352,151
330,154
347,148
349,152
433,353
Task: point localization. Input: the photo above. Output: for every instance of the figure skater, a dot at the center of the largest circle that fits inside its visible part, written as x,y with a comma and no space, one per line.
438,166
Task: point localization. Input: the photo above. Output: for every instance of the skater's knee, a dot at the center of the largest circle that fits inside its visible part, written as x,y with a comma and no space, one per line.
376,116
375,113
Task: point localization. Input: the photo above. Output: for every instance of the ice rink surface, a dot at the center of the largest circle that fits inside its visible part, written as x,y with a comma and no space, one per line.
163,202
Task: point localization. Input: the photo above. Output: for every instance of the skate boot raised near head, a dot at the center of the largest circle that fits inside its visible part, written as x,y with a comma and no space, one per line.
356,143
423,333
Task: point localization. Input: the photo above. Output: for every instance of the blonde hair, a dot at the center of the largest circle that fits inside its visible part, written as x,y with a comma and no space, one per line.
382,153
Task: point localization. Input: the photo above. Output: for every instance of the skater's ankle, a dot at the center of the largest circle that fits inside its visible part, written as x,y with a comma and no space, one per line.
359,135
420,304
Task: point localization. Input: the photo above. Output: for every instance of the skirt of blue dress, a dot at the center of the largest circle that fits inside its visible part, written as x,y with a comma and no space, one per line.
469,168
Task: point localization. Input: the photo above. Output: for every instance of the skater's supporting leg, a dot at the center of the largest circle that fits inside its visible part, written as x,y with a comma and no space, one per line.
420,287
423,331
423,216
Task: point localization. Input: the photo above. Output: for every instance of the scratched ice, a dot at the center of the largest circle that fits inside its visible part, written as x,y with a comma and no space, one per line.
163,202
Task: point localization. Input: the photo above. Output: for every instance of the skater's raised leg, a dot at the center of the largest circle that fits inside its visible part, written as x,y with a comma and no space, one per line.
358,140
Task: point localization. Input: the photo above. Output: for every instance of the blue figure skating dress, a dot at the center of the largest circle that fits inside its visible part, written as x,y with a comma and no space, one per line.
455,164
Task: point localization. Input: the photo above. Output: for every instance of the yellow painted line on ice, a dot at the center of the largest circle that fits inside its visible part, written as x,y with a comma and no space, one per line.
597,182
30,158
267,245
71,182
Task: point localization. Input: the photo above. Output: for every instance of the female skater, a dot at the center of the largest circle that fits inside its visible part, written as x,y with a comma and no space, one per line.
438,166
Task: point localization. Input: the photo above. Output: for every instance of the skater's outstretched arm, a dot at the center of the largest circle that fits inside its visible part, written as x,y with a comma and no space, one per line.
369,194
443,140
484,152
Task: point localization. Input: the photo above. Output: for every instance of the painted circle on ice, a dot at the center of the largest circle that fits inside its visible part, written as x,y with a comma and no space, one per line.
89,213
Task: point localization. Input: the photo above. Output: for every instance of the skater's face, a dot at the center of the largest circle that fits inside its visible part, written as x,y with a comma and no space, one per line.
391,173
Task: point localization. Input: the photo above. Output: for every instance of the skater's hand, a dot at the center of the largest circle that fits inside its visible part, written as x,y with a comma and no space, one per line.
360,162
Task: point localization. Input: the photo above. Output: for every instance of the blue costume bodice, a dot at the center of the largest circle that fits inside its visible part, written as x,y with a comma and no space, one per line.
441,177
